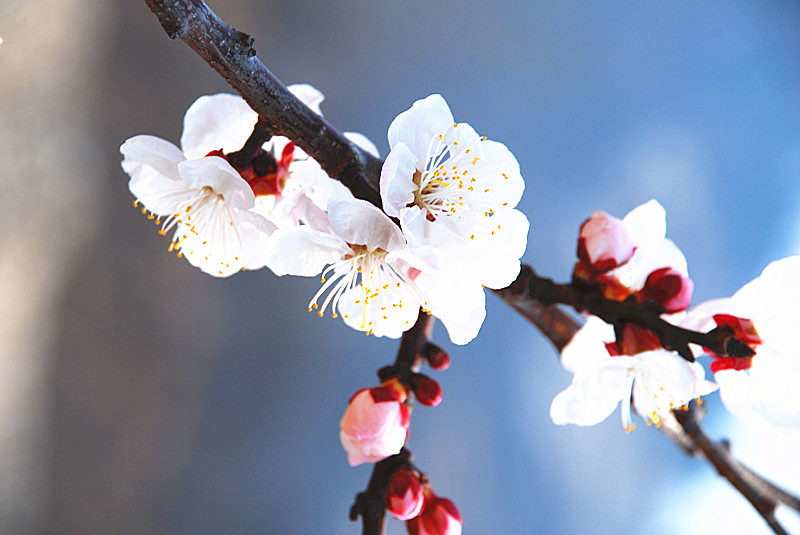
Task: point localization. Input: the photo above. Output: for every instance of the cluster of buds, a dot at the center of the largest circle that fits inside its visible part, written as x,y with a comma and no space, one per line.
375,424
606,245
628,260
409,497
375,428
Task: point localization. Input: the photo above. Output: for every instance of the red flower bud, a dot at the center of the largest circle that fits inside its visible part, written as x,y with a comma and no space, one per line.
437,357
404,498
439,517
427,391
603,243
669,288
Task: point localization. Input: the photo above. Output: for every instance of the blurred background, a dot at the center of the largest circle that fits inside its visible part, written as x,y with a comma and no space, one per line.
138,395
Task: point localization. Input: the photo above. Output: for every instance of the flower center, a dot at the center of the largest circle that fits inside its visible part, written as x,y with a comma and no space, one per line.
369,280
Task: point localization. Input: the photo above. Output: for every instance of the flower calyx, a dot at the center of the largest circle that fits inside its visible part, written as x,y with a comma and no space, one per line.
741,339
263,172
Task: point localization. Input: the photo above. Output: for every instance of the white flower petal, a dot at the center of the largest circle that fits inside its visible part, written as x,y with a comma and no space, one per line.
593,396
150,151
458,302
216,173
397,184
214,122
587,346
303,251
417,126
358,222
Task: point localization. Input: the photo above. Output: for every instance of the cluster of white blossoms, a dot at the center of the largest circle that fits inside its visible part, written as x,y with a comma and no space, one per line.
632,259
453,192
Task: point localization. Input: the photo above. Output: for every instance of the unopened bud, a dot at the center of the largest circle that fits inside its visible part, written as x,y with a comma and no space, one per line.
669,288
603,243
426,390
404,498
374,426
437,357
439,517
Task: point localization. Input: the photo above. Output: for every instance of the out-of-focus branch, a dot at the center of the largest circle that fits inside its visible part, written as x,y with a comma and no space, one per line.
686,432
232,55
763,495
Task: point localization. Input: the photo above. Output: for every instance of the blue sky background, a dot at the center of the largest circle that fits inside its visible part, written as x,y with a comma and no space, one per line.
187,404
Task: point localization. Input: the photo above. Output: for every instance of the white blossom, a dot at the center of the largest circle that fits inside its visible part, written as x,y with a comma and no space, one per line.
205,201
769,388
372,279
220,217
455,191
655,382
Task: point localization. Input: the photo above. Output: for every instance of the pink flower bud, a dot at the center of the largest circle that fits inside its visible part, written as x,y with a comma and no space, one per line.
427,391
603,243
669,288
440,517
404,497
374,426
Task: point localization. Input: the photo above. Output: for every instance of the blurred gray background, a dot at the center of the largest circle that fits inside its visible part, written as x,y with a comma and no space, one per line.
138,395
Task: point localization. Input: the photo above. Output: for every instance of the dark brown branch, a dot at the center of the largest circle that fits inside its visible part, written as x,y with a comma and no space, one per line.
530,288
232,55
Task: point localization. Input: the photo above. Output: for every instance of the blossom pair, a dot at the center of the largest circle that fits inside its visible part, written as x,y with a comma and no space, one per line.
633,259
453,193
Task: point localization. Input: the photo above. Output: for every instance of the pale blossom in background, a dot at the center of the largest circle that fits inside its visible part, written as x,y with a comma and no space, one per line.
651,382
455,191
768,388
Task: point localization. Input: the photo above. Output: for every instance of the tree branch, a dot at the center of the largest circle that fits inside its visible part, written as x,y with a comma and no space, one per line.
529,288
232,55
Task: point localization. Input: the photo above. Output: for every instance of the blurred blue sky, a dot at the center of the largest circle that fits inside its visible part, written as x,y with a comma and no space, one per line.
235,392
